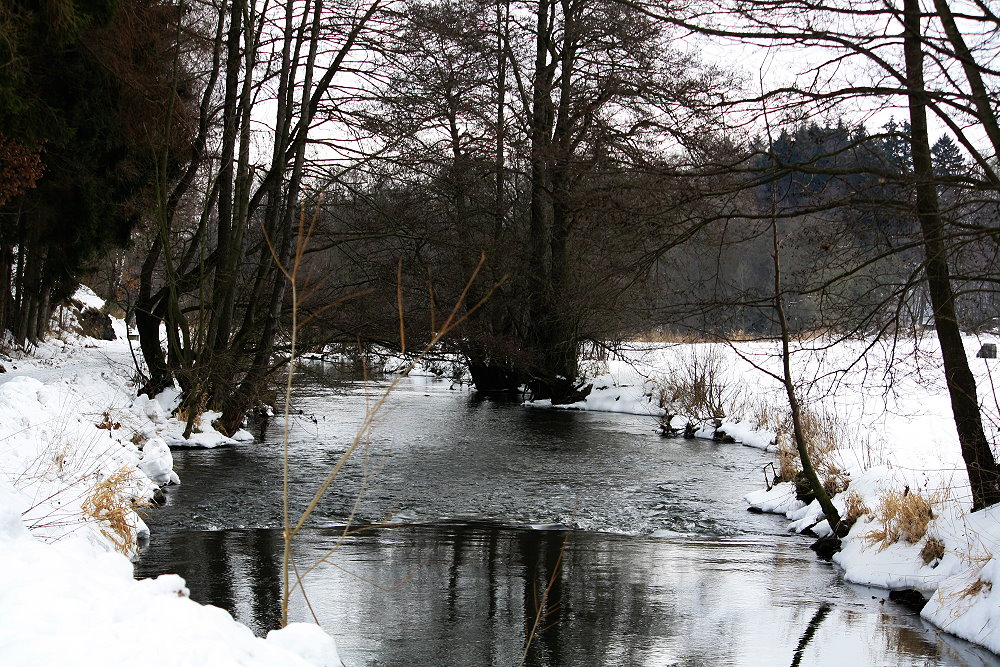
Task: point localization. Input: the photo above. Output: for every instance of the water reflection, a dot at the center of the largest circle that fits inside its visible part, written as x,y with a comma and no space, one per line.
804,640
469,594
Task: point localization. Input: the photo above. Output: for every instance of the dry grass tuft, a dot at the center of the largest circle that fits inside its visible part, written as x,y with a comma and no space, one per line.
823,433
854,508
933,550
975,588
835,480
788,458
111,504
903,515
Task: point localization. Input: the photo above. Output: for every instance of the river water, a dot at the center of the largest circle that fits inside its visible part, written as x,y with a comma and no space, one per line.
463,526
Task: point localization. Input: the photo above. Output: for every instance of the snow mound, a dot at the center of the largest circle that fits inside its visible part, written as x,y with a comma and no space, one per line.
69,604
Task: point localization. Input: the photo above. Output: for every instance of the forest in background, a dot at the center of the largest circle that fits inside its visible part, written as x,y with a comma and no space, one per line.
576,160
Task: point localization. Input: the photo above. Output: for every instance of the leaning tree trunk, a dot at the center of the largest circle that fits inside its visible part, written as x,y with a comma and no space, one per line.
979,460
798,431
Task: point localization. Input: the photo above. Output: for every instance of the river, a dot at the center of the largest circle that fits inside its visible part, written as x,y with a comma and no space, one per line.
463,526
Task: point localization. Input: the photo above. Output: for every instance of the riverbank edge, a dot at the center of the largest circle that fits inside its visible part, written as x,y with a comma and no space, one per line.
947,556
79,458
73,391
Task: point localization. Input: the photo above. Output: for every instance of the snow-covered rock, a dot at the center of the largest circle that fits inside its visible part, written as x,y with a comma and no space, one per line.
157,462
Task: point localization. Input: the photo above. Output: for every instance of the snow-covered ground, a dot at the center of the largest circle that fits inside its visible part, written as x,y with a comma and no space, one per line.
888,409
78,456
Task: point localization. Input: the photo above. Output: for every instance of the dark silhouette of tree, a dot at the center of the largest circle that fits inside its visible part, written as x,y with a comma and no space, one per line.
74,135
225,221
548,136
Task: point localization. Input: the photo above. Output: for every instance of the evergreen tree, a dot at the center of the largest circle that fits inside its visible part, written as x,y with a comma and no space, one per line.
66,98
947,157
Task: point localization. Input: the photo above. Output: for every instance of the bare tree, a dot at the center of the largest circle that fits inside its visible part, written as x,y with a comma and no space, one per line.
547,135
884,48
224,226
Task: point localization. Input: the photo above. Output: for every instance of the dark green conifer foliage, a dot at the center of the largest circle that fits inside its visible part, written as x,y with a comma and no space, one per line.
61,92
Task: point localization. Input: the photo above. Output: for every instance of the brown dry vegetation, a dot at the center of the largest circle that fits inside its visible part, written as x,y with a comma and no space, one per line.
823,434
932,550
903,515
698,387
671,336
975,588
112,506
854,508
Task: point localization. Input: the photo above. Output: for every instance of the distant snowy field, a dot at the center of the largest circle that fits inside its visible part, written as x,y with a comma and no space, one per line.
77,452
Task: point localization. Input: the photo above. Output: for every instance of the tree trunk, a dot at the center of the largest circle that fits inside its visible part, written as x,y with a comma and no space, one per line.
147,325
6,286
283,207
979,461
551,337
230,136
798,432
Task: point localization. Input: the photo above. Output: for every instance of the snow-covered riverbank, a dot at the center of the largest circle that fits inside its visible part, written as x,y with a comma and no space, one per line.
892,439
78,457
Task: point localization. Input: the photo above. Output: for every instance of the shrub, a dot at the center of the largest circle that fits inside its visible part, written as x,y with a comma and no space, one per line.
698,389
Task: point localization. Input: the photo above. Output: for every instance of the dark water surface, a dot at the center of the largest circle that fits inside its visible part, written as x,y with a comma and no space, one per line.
647,554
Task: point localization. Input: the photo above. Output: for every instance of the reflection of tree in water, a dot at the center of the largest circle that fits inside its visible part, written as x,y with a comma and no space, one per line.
264,573
470,593
234,569
543,570
465,594
810,631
